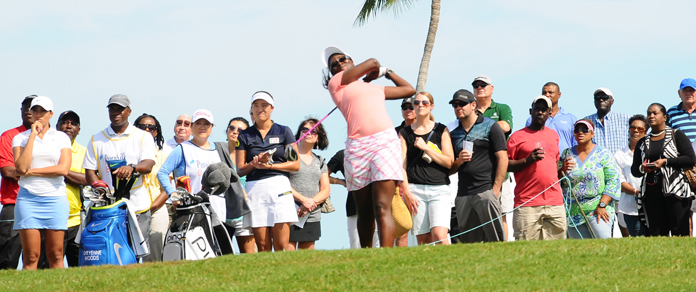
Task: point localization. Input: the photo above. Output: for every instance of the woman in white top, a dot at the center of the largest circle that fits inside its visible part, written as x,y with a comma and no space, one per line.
629,221
42,159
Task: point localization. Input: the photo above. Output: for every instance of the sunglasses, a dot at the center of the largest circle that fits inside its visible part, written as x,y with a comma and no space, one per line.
145,127
601,97
185,123
305,130
340,60
639,129
232,128
480,85
460,104
418,102
584,131
406,107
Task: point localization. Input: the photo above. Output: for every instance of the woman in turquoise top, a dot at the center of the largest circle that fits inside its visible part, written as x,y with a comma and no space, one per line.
594,177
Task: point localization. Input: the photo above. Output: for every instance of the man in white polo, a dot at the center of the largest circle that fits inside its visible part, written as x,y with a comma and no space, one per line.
182,133
122,150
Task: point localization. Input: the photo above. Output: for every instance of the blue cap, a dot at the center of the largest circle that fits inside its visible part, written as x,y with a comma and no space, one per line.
688,82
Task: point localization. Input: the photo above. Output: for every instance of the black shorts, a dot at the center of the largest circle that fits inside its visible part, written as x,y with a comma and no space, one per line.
310,232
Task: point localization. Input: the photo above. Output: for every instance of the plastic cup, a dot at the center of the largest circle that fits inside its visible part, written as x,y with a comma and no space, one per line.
540,145
468,146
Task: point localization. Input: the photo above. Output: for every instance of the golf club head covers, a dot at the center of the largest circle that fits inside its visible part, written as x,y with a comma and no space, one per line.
217,176
184,182
290,153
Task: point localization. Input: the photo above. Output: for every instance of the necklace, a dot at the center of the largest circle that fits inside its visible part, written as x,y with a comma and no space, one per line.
657,134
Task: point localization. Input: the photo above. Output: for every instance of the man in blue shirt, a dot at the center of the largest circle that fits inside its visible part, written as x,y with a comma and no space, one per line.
680,116
560,120
611,128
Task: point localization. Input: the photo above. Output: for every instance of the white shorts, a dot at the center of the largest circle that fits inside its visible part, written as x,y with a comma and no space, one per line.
271,201
434,207
242,227
507,195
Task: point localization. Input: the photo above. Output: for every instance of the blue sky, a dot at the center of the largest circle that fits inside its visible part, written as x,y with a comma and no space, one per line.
173,57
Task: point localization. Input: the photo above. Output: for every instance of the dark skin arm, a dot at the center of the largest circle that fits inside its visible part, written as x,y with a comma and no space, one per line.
371,69
76,178
519,164
8,172
159,201
144,167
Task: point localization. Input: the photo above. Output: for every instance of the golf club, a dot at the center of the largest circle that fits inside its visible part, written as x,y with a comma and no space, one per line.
290,152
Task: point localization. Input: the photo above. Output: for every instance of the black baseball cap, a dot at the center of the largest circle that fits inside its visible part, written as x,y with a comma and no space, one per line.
463,95
407,100
69,114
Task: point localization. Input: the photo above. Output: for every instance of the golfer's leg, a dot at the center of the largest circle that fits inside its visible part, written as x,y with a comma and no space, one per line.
31,248
54,248
281,236
383,194
262,235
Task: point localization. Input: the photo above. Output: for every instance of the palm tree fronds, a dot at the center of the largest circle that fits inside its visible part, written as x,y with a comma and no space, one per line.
371,7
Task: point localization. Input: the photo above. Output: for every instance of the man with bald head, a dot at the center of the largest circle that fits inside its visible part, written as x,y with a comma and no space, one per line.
182,133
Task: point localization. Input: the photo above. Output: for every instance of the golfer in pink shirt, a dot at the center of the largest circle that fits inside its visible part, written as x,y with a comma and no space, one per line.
373,150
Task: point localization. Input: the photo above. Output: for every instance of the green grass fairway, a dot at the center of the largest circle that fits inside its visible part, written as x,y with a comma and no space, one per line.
658,264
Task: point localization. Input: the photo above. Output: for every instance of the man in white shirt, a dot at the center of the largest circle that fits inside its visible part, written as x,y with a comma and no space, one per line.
182,133
119,151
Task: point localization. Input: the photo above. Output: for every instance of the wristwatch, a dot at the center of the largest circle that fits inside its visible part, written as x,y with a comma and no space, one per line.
602,204
134,173
389,72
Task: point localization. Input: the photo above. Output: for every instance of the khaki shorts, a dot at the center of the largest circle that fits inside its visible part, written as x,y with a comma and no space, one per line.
540,223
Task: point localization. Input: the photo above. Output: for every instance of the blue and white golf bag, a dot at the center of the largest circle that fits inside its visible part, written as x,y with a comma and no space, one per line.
105,239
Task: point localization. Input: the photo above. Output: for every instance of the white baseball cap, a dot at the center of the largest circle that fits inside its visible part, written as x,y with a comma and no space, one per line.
544,98
43,102
202,114
329,51
603,90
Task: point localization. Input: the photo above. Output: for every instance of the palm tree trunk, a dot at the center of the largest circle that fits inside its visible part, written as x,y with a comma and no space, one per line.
429,44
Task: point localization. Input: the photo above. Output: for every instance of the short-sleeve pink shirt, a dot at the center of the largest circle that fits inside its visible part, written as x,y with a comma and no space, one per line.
362,105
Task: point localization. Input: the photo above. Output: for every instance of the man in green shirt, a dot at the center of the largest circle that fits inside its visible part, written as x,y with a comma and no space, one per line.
483,90
501,113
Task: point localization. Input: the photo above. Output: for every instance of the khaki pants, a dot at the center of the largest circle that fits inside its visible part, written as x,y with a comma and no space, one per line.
540,223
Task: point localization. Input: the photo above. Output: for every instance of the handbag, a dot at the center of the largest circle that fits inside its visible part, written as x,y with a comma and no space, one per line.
402,217
690,175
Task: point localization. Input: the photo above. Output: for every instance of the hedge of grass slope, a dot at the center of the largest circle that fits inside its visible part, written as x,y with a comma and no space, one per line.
663,264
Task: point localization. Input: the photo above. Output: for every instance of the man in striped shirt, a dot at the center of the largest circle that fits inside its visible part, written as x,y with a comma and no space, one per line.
681,116
611,128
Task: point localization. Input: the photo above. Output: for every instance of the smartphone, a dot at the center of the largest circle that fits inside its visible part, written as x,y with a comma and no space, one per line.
651,165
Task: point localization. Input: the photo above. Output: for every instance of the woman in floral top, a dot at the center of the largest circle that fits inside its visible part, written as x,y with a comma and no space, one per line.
594,177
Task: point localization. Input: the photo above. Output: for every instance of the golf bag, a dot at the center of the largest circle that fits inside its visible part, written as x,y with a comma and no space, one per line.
195,232
104,239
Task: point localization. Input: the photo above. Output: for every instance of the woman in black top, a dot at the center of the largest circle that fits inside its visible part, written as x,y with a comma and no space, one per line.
428,155
659,158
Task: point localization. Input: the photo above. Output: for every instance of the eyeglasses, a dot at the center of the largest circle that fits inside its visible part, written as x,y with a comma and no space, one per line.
185,123
419,102
305,130
340,60
639,129
145,127
480,85
231,128
406,107
460,104
584,131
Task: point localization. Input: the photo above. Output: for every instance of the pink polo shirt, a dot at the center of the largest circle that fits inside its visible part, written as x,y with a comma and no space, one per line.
362,105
